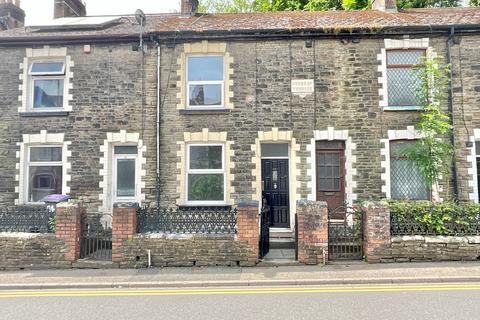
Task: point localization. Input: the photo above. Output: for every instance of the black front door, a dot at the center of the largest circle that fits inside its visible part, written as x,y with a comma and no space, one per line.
275,191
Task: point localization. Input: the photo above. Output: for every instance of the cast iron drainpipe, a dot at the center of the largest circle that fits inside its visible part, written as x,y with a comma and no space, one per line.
157,185
450,110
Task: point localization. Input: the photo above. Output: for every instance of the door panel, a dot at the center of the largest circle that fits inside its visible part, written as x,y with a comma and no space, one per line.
276,192
331,174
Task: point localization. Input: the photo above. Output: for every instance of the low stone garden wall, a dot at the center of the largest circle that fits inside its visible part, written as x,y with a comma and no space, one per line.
19,250
381,246
130,249
169,250
432,248
32,251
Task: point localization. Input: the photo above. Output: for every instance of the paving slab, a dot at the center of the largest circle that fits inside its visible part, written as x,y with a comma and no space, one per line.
348,273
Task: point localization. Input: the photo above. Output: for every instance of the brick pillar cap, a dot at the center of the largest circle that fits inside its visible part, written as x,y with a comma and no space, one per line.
68,204
247,203
310,203
126,205
374,204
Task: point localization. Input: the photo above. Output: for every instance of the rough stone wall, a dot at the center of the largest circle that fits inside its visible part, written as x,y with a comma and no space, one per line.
107,90
32,251
466,97
346,97
432,248
184,251
107,97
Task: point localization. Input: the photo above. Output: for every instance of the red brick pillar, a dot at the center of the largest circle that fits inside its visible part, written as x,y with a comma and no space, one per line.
248,228
376,228
312,226
124,227
69,227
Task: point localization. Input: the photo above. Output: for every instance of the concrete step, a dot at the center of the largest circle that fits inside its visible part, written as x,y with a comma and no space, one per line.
279,257
281,234
282,243
94,264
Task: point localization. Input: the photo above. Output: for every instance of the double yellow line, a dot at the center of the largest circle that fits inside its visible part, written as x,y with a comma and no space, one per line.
237,291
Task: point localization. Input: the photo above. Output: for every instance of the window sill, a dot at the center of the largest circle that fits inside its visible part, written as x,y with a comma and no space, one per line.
403,108
205,111
44,114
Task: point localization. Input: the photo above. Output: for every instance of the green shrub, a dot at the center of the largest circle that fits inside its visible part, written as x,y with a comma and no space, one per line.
443,218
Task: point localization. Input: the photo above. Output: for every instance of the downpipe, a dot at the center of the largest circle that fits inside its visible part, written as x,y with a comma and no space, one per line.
157,182
450,110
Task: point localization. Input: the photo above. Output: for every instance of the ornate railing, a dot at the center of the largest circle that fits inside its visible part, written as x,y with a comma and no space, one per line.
35,219
407,225
210,220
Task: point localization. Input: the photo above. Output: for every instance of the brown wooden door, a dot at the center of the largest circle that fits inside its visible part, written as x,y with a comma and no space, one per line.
331,173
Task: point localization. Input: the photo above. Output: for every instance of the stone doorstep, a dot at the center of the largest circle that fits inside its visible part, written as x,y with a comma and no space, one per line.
94,264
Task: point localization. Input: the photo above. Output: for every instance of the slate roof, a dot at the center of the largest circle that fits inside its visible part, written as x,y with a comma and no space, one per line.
269,21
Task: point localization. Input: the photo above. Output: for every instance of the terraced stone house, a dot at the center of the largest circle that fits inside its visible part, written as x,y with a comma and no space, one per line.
212,109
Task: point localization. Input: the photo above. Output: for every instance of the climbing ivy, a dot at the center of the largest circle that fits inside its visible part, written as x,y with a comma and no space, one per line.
433,152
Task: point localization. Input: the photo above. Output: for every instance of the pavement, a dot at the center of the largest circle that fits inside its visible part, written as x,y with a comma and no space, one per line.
330,274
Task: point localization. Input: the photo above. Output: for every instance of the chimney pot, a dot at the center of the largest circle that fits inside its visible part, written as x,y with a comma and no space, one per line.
385,5
69,8
189,7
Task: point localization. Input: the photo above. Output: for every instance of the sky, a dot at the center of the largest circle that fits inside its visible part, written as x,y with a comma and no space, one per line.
40,11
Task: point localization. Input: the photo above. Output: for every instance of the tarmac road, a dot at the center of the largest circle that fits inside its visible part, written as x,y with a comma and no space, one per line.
395,301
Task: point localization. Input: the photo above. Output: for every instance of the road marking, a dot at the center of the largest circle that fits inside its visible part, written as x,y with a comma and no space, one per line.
237,291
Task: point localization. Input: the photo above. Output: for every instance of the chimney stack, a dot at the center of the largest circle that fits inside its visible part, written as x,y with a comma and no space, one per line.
385,5
69,8
189,7
11,15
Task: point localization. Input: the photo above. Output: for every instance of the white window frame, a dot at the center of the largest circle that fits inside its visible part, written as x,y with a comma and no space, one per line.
32,76
221,82
116,157
29,163
398,66
390,166
206,171
46,73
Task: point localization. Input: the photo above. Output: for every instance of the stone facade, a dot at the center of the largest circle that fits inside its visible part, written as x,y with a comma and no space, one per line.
346,98
112,92
466,99
107,97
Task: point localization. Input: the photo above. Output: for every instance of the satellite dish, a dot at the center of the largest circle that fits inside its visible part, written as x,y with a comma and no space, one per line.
140,17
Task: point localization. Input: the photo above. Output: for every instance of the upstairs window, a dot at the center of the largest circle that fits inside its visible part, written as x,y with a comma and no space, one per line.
47,85
403,77
206,174
205,81
407,182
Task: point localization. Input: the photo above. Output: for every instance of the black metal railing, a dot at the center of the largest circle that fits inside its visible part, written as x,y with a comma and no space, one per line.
264,245
96,240
34,219
401,225
345,233
210,220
